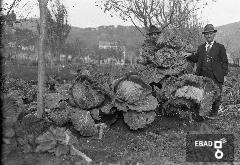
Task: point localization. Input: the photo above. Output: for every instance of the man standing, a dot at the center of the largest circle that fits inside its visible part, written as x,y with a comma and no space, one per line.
150,45
212,62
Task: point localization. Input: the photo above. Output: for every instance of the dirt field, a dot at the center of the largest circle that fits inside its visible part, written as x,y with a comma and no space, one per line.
162,142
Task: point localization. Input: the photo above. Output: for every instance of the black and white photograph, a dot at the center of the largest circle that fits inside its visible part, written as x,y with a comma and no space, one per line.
120,82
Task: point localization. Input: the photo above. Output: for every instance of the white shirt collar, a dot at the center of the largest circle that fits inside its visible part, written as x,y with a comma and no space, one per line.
211,44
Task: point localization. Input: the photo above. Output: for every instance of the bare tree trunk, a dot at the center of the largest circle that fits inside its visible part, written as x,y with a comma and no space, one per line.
41,63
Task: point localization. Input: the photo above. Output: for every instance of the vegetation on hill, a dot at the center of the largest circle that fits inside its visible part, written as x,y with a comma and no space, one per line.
86,40
132,37
229,35
126,35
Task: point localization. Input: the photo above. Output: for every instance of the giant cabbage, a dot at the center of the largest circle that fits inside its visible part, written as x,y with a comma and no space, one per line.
134,97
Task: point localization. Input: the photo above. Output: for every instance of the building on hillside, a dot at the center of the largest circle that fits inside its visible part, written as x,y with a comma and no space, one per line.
65,57
233,59
11,44
230,60
131,57
112,61
113,45
28,48
108,45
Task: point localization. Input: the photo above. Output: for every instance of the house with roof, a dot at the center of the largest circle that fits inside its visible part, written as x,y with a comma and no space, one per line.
108,45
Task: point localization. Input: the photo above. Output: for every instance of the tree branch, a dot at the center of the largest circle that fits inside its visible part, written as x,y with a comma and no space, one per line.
12,6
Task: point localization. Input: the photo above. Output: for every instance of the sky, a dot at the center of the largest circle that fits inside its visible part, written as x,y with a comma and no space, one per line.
84,13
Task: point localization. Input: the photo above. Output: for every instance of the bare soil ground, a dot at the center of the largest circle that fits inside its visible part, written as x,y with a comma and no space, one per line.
162,142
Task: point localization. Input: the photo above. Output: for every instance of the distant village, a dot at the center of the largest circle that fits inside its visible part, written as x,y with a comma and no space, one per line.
14,51
18,51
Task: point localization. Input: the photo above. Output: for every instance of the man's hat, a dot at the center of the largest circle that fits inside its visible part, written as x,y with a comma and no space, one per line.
209,28
153,30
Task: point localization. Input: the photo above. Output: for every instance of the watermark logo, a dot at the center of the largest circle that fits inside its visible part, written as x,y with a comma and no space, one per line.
210,148
218,146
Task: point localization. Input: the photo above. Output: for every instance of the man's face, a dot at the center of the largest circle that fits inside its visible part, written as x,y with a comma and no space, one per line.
209,36
155,36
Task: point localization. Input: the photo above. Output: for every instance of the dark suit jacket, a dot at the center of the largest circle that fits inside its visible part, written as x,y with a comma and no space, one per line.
219,60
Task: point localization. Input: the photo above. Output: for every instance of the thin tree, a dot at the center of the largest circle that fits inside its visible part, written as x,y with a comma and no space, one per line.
58,27
41,63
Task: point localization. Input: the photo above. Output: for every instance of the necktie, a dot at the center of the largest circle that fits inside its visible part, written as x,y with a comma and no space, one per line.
208,49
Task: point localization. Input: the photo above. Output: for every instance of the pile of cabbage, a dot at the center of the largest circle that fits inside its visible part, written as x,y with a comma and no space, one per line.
128,94
86,104
188,95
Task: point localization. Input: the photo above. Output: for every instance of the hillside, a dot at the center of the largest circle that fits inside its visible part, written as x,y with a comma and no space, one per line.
229,35
30,24
127,35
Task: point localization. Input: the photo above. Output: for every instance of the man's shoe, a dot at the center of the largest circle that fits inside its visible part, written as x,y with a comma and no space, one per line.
212,116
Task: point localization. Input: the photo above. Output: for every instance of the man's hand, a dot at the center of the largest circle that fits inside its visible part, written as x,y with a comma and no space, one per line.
186,54
225,78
